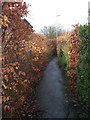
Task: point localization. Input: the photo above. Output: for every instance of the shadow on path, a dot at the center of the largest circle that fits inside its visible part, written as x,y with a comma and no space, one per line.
51,96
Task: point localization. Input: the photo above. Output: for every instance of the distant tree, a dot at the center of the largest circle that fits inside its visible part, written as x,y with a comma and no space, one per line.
50,31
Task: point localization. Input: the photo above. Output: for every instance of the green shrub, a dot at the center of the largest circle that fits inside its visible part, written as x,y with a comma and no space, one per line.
63,58
83,71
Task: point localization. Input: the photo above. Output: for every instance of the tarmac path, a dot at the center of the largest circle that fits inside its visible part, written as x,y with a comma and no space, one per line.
52,99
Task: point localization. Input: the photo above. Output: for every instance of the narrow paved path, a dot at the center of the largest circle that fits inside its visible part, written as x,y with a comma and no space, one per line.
51,96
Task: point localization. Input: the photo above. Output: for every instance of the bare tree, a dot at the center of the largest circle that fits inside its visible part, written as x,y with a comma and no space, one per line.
50,31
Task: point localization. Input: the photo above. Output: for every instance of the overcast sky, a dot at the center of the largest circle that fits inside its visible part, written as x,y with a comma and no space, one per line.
44,12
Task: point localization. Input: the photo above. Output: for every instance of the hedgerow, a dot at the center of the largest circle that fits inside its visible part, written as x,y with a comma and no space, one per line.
78,66
83,71
24,55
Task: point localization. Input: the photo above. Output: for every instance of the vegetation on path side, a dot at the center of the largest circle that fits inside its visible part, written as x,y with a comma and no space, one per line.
24,55
75,61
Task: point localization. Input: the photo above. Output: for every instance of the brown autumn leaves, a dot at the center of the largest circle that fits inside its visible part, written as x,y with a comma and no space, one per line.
24,54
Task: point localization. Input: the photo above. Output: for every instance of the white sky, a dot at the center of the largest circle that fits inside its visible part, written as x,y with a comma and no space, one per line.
44,12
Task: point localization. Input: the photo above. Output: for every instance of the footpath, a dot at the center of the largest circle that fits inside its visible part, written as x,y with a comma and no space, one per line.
52,99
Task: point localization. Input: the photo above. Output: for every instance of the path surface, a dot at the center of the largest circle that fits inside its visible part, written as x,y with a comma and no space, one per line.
51,96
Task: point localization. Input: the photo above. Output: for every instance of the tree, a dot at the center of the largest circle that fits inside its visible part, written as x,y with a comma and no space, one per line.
50,31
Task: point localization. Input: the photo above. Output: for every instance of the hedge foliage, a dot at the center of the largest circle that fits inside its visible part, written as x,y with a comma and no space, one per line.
83,71
77,47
